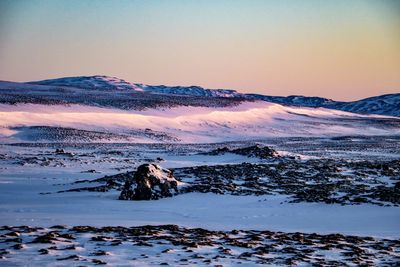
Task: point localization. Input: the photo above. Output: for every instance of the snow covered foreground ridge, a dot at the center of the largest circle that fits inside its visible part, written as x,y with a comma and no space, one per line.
247,121
384,105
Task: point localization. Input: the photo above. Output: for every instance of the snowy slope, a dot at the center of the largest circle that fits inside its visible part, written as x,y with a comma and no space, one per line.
247,121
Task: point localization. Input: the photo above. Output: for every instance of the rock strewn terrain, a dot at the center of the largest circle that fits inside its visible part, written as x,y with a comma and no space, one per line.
315,180
174,245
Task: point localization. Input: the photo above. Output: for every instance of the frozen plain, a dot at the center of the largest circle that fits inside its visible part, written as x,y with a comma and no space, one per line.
32,174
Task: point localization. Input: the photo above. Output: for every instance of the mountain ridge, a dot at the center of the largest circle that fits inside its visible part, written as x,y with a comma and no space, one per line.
387,104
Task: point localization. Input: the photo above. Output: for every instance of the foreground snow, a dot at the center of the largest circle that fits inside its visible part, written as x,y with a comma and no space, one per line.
23,204
216,212
33,174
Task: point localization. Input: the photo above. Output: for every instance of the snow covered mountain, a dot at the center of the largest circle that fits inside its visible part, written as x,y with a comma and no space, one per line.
294,100
382,105
107,83
191,90
92,82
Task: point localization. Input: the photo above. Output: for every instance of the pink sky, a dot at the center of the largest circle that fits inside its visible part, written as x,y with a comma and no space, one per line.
345,50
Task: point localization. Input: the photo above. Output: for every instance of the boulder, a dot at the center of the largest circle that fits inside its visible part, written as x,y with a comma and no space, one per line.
59,151
149,182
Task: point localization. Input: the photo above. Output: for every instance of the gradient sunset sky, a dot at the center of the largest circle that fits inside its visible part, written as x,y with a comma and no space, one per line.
345,50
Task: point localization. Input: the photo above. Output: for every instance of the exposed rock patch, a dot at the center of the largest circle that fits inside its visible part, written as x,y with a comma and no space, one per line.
315,180
256,151
150,181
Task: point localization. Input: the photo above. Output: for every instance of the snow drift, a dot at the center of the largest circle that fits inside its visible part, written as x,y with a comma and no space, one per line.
247,121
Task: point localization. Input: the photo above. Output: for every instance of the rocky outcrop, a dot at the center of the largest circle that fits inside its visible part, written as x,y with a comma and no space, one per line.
149,182
257,151
318,180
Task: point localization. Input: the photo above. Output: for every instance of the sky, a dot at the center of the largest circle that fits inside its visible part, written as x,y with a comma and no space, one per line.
344,50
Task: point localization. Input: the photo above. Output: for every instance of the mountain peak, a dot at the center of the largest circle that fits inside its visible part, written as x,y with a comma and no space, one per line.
102,82
91,82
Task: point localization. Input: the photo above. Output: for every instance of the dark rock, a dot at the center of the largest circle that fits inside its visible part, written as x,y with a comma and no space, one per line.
46,238
59,151
257,151
149,182
219,151
72,247
15,234
58,227
13,240
66,236
72,257
99,262
99,253
17,246
43,251
397,186
90,171
99,238
116,242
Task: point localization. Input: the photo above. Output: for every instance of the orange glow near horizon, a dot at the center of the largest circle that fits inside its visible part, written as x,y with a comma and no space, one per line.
345,50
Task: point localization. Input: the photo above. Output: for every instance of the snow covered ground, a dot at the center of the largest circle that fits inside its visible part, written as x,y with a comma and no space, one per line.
45,149
23,204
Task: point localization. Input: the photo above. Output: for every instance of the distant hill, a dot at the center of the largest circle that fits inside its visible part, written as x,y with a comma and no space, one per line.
382,105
